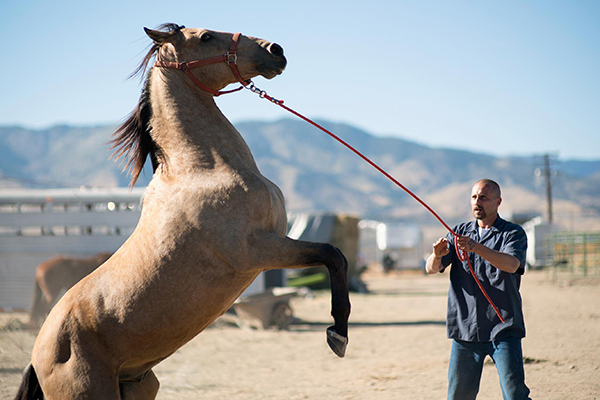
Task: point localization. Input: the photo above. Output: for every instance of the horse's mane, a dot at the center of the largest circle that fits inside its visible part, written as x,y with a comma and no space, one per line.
133,140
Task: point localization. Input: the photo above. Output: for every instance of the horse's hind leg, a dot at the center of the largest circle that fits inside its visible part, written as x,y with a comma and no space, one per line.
274,252
146,389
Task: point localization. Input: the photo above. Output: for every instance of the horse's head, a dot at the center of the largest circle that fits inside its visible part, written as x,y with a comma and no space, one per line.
212,60
216,57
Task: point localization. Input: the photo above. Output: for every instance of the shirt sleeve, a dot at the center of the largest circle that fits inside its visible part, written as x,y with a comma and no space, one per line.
515,244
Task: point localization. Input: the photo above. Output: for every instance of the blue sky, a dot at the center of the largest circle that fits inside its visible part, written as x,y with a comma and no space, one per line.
497,77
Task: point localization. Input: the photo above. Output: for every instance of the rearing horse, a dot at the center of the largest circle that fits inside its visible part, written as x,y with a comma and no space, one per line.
210,224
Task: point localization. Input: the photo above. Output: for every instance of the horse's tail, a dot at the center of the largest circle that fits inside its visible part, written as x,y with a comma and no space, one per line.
30,387
37,308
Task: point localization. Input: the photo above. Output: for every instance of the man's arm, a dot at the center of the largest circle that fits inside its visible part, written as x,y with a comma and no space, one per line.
502,261
434,262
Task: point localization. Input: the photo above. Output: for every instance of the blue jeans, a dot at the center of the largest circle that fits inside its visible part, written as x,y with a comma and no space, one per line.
466,366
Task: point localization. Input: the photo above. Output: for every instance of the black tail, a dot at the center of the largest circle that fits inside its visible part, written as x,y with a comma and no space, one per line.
37,308
30,387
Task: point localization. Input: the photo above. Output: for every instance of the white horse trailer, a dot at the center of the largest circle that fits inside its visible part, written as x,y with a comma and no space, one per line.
538,232
38,224
403,243
370,242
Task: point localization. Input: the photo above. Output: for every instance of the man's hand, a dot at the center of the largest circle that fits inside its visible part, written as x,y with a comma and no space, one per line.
440,248
466,244
434,262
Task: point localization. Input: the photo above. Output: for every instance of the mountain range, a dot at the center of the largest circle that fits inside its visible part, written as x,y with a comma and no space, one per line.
317,173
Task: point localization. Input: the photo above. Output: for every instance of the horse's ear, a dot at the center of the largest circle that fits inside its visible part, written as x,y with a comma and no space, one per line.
160,37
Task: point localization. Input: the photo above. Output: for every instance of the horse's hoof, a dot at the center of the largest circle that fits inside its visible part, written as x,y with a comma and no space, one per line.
336,342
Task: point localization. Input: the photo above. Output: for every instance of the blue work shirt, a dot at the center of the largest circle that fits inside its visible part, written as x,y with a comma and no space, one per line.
470,316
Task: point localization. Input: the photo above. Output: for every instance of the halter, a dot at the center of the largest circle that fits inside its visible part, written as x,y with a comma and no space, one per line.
230,58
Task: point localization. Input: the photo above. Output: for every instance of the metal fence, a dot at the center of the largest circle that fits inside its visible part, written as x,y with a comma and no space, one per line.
576,253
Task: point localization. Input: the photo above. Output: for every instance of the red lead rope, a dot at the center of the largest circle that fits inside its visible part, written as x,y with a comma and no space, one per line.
460,254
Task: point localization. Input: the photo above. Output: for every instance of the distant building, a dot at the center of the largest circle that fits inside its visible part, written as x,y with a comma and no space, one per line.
538,231
402,243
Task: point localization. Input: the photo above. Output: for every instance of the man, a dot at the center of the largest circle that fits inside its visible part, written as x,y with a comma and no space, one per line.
497,250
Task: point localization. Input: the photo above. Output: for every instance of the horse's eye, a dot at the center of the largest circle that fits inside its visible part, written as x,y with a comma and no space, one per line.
205,37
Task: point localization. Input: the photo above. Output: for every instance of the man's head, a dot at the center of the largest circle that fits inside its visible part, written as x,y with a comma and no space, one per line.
485,200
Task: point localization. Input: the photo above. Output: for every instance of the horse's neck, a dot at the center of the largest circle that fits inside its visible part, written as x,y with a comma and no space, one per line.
191,130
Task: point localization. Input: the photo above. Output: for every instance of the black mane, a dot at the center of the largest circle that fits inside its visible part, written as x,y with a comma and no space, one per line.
133,140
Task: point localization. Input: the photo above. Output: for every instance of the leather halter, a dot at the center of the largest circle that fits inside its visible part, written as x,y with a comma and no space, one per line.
230,58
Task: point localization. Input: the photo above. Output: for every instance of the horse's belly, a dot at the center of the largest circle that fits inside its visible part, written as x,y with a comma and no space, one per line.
135,325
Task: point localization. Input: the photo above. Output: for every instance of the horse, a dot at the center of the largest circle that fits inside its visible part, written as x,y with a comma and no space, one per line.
210,223
53,277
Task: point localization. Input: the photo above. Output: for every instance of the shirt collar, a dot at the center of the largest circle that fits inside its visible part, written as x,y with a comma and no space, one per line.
496,227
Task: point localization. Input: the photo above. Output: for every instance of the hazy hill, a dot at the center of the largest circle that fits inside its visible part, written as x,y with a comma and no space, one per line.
61,156
317,173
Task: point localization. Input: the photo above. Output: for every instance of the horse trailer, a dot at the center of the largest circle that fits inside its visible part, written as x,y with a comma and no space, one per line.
36,224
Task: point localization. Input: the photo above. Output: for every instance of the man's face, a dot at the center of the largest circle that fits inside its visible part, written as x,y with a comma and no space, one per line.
484,201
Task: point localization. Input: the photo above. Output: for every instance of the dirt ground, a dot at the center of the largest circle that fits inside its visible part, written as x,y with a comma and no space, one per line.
398,347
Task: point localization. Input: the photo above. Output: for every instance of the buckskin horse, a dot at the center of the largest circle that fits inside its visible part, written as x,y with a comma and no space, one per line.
210,224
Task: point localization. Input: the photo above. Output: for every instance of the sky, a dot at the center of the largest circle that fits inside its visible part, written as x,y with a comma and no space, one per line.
506,78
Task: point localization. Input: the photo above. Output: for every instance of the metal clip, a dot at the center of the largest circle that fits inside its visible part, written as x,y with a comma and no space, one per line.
231,58
262,93
252,87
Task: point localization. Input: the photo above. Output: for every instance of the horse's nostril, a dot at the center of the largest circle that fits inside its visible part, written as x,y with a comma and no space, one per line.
275,49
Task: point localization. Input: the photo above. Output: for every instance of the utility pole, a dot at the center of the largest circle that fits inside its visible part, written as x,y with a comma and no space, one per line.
548,186
547,173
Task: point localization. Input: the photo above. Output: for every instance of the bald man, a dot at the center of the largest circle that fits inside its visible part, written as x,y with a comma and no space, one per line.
497,251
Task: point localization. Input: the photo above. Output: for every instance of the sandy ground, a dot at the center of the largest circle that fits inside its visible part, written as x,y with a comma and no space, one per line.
398,347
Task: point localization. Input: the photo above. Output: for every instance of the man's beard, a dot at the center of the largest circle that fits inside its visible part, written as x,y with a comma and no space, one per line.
479,214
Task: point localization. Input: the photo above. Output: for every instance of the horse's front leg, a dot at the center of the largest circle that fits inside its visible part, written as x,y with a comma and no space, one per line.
337,335
273,252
